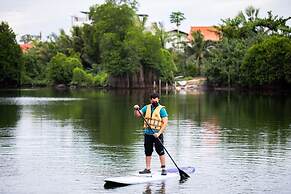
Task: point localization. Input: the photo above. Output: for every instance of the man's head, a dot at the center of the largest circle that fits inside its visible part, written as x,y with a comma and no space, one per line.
155,98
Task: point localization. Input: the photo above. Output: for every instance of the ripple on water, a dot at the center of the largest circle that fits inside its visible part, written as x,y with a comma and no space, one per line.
34,100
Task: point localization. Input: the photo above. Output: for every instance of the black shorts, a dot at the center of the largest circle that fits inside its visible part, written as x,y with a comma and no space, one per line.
150,141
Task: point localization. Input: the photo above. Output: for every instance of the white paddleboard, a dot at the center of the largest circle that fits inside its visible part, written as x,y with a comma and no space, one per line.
145,178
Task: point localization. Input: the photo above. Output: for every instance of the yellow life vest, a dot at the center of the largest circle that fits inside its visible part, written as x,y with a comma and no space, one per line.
154,120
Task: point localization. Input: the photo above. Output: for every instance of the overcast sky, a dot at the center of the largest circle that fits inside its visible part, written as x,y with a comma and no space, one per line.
47,16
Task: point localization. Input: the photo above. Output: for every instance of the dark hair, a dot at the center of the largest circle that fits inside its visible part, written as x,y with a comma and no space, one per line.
155,95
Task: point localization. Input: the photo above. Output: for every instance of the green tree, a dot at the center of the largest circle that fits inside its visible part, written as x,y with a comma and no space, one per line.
111,23
114,45
244,25
79,76
197,49
61,68
131,3
26,38
159,30
31,69
176,18
101,79
274,25
125,49
223,66
91,48
10,57
82,78
63,43
238,59
248,25
252,13
268,62
36,61
167,66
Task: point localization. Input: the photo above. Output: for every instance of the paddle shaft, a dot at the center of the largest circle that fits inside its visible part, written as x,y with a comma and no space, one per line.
158,139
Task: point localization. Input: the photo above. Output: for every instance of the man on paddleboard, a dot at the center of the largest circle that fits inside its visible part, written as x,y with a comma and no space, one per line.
157,117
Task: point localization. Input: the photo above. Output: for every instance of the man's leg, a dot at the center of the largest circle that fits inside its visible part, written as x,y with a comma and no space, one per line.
160,150
148,146
163,164
148,162
163,160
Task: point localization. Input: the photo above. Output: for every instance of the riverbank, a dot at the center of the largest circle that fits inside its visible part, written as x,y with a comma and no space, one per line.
198,83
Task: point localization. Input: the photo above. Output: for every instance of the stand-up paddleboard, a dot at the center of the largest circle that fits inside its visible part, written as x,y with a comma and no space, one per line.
145,178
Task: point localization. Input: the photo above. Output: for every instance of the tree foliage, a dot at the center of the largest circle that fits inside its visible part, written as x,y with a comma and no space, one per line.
268,62
223,66
197,50
167,66
124,48
116,37
177,17
114,44
253,51
10,56
61,68
159,30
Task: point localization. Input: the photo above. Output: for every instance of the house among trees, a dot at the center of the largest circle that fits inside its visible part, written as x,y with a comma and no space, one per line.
176,39
209,32
79,21
25,47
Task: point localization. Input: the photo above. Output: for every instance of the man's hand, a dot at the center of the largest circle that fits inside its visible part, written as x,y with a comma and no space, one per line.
136,111
156,135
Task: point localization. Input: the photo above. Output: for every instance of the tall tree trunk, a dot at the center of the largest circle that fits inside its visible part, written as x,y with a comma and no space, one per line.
144,78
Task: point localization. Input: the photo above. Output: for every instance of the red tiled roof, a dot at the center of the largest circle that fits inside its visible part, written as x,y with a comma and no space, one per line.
209,32
25,47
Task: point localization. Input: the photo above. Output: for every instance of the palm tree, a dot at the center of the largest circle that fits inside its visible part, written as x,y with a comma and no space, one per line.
177,18
159,30
252,13
197,49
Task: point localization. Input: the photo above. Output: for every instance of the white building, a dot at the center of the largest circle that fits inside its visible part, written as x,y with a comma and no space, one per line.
177,40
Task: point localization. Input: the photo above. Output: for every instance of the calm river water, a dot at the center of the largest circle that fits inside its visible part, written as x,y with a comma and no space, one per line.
69,141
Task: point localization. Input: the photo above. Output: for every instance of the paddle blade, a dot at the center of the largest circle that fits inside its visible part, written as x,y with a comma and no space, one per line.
183,175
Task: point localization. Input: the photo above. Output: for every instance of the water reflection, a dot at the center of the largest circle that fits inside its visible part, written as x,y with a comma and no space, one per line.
237,142
107,118
9,115
235,115
22,101
155,188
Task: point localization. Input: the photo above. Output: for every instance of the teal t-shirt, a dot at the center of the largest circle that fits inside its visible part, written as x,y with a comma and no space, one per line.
163,113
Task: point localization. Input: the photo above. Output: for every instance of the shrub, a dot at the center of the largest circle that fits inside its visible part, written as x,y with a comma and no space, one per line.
61,68
268,62
101,79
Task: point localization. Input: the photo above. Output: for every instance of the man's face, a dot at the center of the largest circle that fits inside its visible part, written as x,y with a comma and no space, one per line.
154,100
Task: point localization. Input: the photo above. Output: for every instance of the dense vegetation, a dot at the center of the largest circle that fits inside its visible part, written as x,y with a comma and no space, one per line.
113,49
10,57
116,49
253,52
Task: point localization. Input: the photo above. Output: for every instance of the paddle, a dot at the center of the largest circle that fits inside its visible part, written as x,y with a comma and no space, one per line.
183,175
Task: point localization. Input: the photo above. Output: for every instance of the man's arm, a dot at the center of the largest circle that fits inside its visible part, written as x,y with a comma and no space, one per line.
137,112
164,116
163,127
